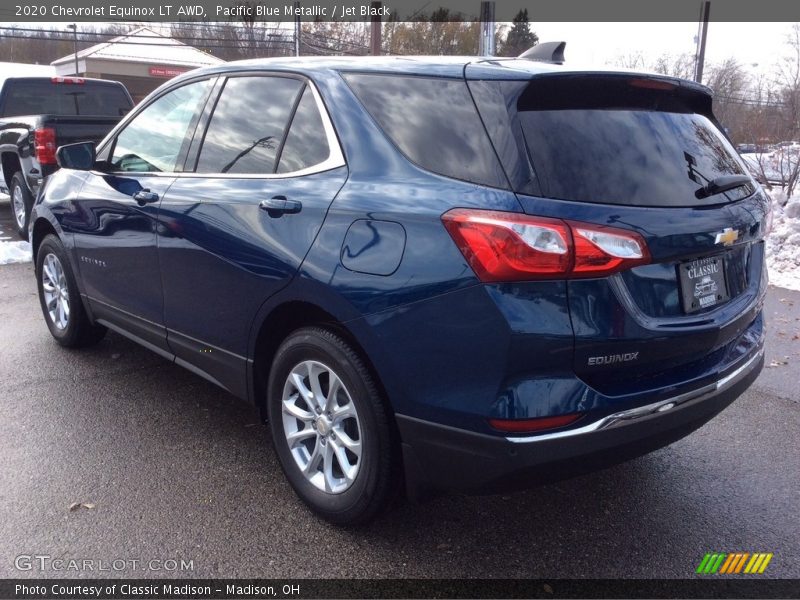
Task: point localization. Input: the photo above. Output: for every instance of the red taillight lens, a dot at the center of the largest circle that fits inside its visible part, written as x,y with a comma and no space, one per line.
44,144
602,250
501,246
76,80
533,425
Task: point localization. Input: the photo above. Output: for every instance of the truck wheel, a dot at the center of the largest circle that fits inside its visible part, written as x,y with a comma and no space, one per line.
60,299
330,427
21,204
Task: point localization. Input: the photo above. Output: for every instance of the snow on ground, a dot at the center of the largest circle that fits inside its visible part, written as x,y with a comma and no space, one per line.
783,243
14,252
12,249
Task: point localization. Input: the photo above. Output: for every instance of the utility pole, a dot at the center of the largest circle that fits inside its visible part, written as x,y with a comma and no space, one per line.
74,28
701,55
486,42
375,29
297,28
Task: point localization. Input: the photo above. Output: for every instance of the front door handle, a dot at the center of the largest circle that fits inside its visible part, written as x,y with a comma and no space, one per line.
280,205
145,196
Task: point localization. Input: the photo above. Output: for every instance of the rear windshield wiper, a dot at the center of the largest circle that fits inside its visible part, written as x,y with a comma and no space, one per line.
722,184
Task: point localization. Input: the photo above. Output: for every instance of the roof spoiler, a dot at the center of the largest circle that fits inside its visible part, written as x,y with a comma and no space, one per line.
546,52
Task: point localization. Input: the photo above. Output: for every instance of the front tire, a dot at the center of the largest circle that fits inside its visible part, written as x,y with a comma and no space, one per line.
330,427
60,300
21,204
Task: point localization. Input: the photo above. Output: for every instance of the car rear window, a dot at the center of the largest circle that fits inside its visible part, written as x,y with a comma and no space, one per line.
65,99
638,142
434,122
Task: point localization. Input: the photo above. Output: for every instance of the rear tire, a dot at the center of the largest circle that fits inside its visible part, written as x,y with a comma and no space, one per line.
21,204
330,427
60,299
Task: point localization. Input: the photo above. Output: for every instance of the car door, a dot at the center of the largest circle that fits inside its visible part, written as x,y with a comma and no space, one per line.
115,219
234,231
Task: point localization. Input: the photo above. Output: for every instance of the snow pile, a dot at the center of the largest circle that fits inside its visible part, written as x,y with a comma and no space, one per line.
15,252
783,244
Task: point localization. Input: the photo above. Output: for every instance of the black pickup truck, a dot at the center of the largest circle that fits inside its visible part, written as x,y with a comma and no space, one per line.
39,114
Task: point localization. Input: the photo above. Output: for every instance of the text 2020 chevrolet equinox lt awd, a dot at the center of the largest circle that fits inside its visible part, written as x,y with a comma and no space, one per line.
467,274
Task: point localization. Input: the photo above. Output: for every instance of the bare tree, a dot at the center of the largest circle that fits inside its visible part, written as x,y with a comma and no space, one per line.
788,76
674,65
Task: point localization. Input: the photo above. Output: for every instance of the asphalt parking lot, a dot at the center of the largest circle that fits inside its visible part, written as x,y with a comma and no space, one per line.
173,468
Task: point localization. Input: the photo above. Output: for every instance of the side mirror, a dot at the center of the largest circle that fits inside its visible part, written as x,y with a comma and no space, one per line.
80,156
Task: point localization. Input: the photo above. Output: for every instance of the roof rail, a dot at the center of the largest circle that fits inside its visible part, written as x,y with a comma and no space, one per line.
546,52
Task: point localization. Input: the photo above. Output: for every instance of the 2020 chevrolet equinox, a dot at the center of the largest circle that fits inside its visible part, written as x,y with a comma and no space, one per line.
462,274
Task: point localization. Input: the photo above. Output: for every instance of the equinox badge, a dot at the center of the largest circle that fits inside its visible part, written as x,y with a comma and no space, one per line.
611,359
727,236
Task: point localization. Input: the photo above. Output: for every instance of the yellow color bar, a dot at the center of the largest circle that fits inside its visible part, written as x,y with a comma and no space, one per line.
765,563
761,557
752,563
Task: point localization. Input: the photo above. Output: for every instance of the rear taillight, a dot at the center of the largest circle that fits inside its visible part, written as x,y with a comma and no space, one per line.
533,425
602,250
501,246
44,144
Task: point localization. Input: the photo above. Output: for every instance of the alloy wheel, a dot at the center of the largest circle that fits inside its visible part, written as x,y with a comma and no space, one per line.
322,427
56,292
18,203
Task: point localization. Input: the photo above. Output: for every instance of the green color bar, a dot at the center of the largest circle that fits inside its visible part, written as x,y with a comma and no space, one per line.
703,563
710,564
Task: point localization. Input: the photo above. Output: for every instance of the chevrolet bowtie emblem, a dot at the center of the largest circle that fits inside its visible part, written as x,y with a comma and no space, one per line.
727,236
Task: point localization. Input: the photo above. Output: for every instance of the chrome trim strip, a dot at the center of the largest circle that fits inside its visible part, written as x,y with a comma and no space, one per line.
625,416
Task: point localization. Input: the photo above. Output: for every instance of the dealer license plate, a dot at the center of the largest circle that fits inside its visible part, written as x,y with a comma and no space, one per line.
703,283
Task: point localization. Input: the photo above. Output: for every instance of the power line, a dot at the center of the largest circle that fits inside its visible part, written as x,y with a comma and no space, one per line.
198,41
96,35
241,43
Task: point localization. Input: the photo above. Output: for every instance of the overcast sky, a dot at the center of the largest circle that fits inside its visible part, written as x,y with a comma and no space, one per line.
597,44
757,46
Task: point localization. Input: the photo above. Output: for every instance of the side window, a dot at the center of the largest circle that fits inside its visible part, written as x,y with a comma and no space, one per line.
434,122
248,125
152,141
306,144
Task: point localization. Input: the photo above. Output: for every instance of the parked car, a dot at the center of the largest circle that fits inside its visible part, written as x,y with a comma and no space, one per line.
38,114
462,274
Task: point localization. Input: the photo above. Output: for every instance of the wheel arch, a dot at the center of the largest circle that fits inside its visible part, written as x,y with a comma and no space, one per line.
41,228
290,315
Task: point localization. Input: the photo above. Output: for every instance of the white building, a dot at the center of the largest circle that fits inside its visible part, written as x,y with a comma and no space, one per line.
142,60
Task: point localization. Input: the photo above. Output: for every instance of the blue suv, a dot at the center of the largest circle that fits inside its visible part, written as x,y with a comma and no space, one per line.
455,274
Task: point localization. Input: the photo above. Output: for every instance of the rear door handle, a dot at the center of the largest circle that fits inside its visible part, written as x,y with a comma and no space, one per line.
280,205
145,196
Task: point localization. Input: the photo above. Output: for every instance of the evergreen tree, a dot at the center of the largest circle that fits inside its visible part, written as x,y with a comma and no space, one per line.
520,37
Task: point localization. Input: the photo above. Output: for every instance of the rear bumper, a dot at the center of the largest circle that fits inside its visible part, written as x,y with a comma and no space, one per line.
438,457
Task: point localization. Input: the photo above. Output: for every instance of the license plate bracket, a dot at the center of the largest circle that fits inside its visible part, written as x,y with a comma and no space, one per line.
702,283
